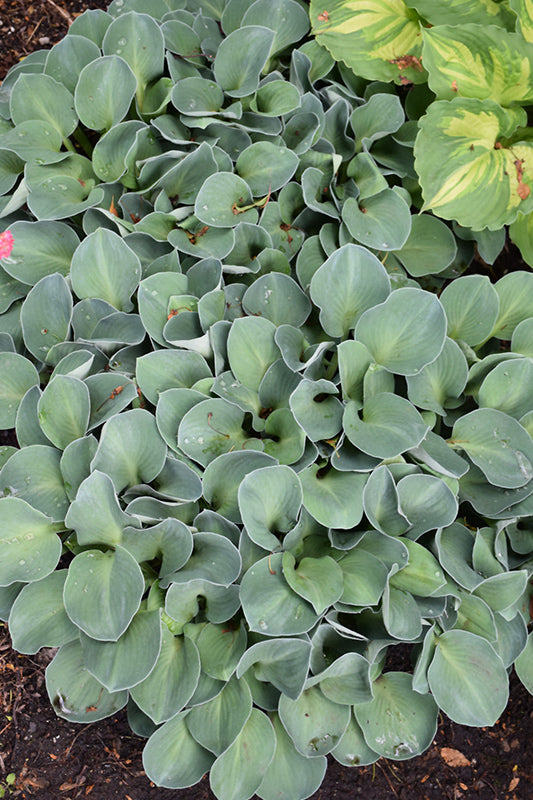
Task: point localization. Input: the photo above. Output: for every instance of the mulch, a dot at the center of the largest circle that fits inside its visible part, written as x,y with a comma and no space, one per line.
43,757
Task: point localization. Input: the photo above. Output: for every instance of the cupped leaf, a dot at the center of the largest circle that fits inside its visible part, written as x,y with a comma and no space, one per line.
40,97
129,660
497,444
269,501
104,92
389,425
210,428
173,758
439,385
266,167
382,221
130,450
239,770
46,314
40,249
38,617
270,605
316,408
428,503
172,681
90,592
473,177
515,293
282,662
224,475
381,503
251,349
217,723
75,695
240,58
314,722
317,580
33,474
225,200
17,376
95,514
468,679
405,332
398,723
104,266
508,388
64,410
429,248
290,775
351,281
137,38
333,498
472,305
31,548
67,58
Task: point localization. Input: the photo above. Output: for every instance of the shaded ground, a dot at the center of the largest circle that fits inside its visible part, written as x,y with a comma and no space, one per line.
46,758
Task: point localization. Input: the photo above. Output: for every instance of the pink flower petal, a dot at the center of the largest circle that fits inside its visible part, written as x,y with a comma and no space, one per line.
6,244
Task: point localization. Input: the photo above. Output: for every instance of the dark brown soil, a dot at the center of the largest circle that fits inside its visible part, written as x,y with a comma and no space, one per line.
46,758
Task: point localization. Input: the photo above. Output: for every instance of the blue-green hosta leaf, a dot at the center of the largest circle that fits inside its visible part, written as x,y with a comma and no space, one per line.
422,575
465,169
10,167
427,502
30,549
277,297
239,770
252,349
351,281
173,758
468,679
95,514
429,248
352,750
290,775
269,501
46,314
502,592
169,369
346,681
497,444
137,38
40,249
317,580
439,385
224,475
75,464
33,474
92,24
217,723
398,723
270,605
524,665
381,503
401,616
333,498
266,167
508,388
380,115
389,425
478,61
515,293
405,332
276,98
471,304
454,547
170,541
221,649
172,681
211,428
104,92
286,18
35,142
110,152
38,617
224,200
75,695
475,616
314,722
282,662
381,42
129,660
67,58
317,409
104,266
40,97
522,340
131,450
240,58
64,410
382,222
90,592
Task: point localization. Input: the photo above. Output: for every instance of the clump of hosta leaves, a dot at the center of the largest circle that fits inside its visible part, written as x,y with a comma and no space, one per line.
268,430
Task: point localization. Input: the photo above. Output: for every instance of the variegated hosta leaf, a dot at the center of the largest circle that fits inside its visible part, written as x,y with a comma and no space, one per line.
478,61
524,23
377,39
459,12
468,169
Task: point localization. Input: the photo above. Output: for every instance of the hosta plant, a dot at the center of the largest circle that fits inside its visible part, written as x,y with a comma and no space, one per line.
471,65
268,429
